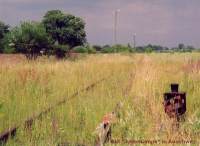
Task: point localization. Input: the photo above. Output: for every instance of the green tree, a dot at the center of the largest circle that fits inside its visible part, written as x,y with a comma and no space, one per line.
3,30
65,29
30,38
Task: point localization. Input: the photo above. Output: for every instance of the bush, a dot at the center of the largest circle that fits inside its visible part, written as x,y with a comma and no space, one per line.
115,49
148,50
9,50
80,49
8,46
91,50
60,51
97,47
121,48
107,49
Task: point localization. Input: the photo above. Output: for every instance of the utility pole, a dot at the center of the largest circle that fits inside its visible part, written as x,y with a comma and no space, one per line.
134,40
115,24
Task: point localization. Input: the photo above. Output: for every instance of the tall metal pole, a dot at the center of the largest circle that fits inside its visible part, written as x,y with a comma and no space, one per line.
134,40
115,25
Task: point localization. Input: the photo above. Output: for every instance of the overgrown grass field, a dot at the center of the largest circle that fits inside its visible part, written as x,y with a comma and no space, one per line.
138,81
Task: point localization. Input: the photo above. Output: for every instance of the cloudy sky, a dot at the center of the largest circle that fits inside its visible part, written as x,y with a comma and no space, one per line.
164,22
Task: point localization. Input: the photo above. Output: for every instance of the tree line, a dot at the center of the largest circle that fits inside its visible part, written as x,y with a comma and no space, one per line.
144,49
60,34
56,34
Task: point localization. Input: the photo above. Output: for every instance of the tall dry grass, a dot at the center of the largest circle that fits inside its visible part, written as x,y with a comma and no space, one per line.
144,117
27,88
30,87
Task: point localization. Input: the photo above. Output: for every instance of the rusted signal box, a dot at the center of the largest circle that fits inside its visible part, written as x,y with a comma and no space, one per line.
175,102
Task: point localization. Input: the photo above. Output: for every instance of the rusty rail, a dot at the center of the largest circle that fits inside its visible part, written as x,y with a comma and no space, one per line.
104,131
11,132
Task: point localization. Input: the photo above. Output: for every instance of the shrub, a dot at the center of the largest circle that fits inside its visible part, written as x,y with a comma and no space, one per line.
107,50
60,51
80,49
8,46
121,48
97,47
91,50
9,50
148,50
115,49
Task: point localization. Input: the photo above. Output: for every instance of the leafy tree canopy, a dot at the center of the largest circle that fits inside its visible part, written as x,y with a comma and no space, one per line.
65,29
29,38
3,30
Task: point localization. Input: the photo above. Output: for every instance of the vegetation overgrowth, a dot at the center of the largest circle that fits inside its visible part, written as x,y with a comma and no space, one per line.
28,87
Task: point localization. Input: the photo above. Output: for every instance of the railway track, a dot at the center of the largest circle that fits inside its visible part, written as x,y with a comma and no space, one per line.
104,131
11,132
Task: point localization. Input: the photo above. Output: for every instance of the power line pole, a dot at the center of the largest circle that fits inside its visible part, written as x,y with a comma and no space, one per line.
115,25
134,40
